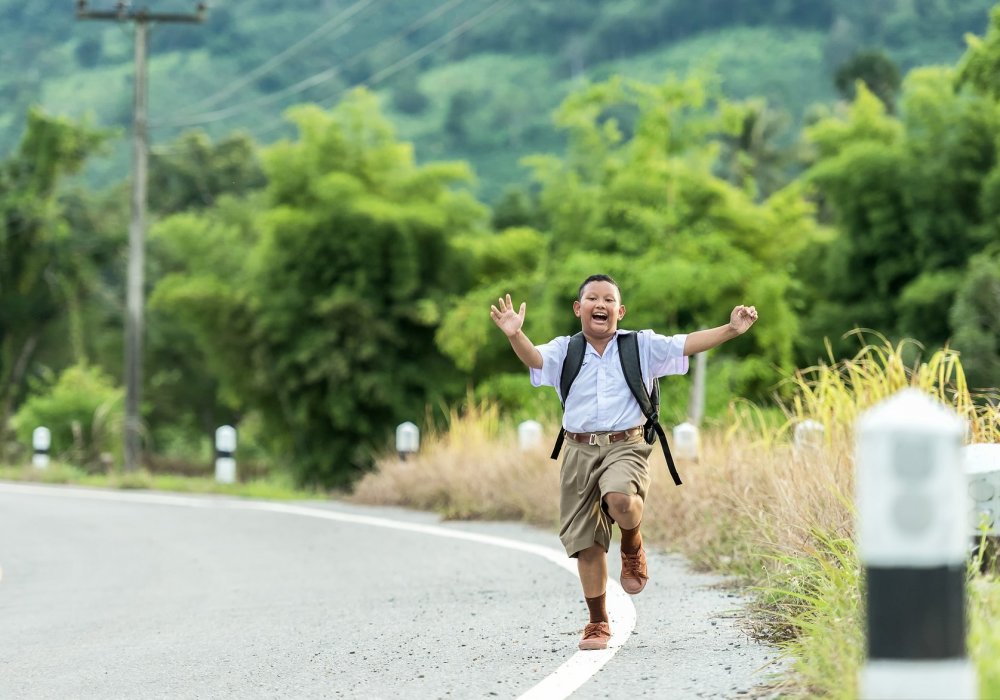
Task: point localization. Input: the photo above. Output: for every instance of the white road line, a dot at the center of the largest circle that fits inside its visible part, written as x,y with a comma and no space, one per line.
572,674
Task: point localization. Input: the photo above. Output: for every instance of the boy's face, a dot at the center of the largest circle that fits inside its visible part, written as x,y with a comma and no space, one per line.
599,309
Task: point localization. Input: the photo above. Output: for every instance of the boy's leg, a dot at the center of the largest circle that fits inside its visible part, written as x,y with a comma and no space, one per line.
592,563
627,512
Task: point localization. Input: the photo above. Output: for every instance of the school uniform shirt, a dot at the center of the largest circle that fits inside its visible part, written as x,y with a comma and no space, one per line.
599,398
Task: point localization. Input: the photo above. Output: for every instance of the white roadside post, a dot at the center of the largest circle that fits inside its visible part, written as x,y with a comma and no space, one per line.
686,441
407,440
808,436
982,475
529,435
912,531
225,450
41,440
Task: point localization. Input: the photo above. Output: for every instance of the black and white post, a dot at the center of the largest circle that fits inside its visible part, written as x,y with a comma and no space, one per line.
225,454
912,540
41,440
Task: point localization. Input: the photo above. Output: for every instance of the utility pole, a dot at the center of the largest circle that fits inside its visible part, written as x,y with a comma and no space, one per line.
137,225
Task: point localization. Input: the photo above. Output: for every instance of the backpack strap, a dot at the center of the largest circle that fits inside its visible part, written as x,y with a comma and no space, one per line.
570,368
628,354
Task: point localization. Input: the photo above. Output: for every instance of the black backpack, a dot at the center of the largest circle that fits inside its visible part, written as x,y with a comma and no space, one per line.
628,353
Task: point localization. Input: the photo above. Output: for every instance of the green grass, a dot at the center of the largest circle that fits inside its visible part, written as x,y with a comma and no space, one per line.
273,488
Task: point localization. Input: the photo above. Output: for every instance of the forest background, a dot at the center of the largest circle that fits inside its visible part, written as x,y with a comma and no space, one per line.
318,275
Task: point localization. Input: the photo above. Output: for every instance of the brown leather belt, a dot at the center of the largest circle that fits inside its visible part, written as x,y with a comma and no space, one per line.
603,438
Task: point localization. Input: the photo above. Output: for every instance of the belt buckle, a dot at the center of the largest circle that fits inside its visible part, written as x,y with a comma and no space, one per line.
600,440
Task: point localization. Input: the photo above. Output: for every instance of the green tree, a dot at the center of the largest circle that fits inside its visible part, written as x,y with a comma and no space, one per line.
319,311
976,320
193,172
876,70
41,270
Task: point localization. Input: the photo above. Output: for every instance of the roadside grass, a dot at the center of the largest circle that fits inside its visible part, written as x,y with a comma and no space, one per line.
276,487
777,518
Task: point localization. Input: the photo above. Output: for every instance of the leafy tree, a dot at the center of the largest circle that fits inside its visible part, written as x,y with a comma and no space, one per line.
40,270
319,311
193,172
909,200
876,70
976,320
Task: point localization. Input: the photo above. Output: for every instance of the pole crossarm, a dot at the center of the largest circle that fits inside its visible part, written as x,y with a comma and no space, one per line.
121,13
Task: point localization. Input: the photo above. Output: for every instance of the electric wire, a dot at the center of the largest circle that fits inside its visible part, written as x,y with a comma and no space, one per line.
337,22
394,68
306,83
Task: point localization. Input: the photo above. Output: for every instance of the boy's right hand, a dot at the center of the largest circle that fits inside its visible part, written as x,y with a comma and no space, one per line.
507,320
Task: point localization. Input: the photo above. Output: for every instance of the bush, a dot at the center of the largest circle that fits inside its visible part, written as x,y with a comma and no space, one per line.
85,412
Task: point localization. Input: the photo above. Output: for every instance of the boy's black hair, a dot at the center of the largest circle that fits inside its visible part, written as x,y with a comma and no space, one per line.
598,278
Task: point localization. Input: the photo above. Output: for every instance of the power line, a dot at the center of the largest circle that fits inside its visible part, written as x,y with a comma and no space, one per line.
276,60
306,83
402,63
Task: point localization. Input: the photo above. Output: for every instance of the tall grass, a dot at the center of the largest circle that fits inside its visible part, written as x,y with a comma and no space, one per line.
753,505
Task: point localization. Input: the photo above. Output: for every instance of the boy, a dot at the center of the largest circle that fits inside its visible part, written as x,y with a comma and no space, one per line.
604,475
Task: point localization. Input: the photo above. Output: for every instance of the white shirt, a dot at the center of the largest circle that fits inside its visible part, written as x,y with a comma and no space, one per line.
599,398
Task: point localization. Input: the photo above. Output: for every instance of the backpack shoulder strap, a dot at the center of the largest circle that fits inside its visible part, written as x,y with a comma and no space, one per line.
628,355
570,369
571,365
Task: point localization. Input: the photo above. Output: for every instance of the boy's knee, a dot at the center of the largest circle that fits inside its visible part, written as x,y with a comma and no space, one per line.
622,503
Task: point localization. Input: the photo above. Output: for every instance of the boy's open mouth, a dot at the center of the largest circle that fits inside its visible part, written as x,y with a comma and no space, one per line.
599,316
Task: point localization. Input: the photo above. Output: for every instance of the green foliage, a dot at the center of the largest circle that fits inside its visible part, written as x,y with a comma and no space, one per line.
44,268
83,409
193,172
910,199
876,70
975,317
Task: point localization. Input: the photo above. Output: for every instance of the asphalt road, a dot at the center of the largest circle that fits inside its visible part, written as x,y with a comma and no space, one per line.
205,598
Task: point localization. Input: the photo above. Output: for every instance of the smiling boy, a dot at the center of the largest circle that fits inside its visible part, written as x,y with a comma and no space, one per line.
604,475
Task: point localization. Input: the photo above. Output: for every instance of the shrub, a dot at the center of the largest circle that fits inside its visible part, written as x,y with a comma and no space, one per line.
83,409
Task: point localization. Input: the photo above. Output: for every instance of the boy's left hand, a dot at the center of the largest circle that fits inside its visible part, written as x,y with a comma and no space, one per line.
742,318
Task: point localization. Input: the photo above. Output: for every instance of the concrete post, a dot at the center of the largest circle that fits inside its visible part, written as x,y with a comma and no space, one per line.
912,534
225,450
529,434
41,440
407,439
982,475
686,441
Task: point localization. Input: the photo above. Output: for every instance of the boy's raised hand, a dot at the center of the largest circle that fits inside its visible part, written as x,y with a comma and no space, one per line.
742,318
507,320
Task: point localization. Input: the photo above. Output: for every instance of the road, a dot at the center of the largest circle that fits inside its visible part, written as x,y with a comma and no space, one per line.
115,594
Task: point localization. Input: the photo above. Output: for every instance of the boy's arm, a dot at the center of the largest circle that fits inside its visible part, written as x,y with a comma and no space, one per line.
739,323
510,323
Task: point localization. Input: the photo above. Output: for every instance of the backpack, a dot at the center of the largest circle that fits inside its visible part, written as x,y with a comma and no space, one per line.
628,353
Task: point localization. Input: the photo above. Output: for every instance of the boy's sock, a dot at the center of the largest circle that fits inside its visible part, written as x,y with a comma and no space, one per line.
598,611
631,539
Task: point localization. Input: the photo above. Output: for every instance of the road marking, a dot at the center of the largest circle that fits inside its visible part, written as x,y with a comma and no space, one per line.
572,674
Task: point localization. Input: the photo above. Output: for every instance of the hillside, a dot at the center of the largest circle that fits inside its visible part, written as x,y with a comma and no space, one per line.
467,79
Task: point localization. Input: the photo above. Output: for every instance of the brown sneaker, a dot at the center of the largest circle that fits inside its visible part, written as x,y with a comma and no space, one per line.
595,636
634,577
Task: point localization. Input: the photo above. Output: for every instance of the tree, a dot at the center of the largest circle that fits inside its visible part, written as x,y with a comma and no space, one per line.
876,70
320,313
976,320
193,172
39,270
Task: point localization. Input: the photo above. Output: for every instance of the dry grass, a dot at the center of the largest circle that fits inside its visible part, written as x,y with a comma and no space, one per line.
473,470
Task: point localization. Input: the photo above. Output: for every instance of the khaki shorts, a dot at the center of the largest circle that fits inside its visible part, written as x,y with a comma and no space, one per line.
587,475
